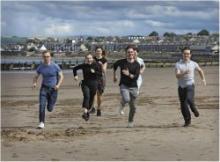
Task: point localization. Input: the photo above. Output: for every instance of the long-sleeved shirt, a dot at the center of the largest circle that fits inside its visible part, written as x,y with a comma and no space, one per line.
133,68
91,72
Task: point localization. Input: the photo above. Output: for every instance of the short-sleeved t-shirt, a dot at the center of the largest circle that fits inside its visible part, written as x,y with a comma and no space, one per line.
49,74
103,60
187,79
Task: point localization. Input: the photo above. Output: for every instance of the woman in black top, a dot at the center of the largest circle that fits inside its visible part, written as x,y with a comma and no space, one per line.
91,72
102,61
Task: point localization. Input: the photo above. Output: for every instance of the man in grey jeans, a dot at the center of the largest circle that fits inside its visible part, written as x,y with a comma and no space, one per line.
185,74
130,70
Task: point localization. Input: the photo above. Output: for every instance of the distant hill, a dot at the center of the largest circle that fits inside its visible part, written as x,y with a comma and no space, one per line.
13,40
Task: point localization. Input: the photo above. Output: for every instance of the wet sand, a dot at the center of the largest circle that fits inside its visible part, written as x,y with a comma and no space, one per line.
157,135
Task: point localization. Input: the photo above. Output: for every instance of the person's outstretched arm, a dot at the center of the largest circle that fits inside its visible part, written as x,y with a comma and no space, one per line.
115,66
142,67
61,77
75,71
35,79
104,67
201,74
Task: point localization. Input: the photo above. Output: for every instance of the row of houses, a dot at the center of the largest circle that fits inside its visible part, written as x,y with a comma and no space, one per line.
203,44
119,47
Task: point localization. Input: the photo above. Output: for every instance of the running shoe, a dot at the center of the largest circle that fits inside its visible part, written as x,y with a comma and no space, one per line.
85,116
99,112
92,110
121,110
196,113
41,125
187,123
130,125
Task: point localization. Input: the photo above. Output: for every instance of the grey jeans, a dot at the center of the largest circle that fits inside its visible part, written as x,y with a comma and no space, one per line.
129,96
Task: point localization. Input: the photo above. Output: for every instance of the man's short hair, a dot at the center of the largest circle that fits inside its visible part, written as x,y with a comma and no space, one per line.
47,51
130,46
185,48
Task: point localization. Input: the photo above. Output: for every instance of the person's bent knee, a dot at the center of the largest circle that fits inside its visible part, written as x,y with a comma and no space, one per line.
189,99
126,100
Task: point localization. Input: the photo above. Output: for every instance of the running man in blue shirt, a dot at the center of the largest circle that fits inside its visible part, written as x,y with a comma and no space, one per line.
52,79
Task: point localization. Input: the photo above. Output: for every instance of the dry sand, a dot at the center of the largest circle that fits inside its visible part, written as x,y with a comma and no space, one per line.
158,133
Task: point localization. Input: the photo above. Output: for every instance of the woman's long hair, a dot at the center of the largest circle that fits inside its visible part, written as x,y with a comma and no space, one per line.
103,51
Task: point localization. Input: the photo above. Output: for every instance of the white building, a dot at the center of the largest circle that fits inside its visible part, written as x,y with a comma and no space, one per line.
43,48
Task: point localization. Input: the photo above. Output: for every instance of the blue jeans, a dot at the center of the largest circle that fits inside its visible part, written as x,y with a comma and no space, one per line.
48,97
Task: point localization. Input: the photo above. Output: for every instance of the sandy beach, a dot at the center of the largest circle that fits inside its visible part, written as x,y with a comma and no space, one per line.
157,135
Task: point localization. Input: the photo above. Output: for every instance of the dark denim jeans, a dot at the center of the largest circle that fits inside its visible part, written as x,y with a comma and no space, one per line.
48,97
89,92
186,97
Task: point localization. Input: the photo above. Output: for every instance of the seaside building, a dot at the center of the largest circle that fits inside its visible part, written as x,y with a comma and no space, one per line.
43,48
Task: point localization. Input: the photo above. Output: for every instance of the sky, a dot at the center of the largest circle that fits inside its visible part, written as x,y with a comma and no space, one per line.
109,18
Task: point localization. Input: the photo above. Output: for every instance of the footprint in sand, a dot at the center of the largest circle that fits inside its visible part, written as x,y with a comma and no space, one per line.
14,155
7,145
54,159
155,144
69,152
126,149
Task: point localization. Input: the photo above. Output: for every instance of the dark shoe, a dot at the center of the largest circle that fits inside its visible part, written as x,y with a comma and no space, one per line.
99,113
196,113
187,123
92,110
85,116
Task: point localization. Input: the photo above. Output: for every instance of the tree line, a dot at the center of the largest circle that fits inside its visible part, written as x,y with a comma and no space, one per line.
203,32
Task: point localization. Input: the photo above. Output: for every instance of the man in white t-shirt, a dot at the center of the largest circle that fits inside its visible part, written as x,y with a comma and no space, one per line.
185,75
142,64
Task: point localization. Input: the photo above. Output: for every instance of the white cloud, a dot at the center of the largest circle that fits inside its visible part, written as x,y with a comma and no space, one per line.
126,23
154,23
68,18
154,9
173,11
103,30
195,14
135,14
3,24
58,29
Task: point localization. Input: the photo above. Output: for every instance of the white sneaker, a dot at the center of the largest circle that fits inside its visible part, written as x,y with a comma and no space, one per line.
41,125
121,110
130,125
